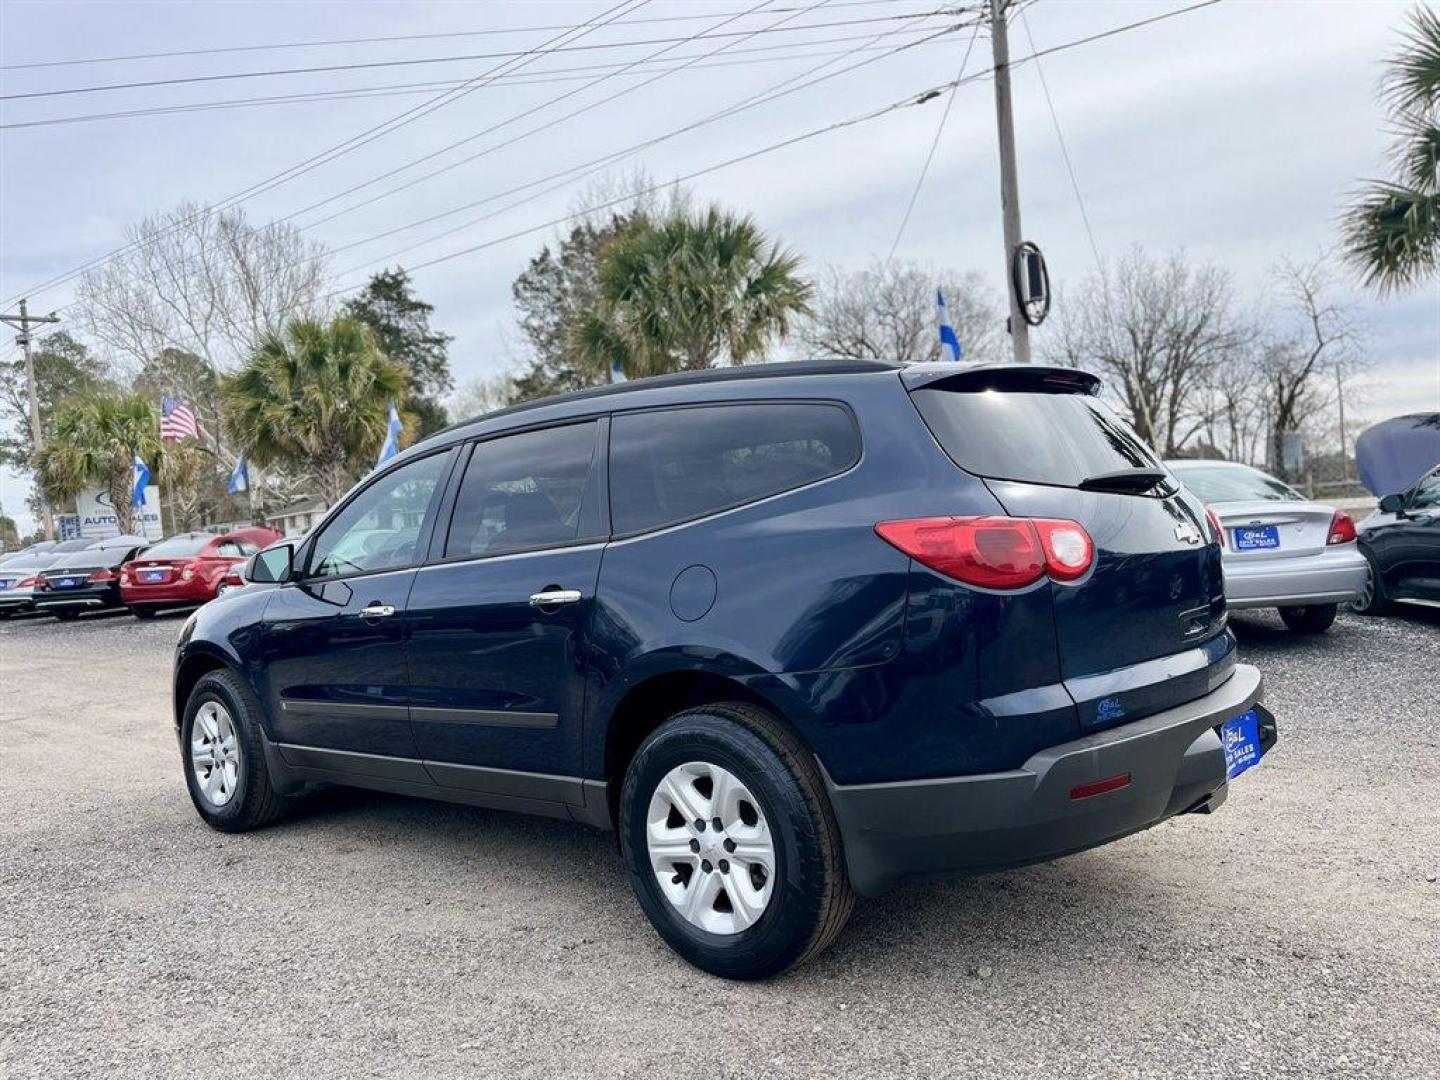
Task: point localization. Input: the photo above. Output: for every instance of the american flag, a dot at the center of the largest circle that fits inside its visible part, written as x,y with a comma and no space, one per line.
177,422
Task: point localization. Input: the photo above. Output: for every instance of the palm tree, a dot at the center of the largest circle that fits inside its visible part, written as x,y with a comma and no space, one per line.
95,441
687,292
1392,229
315,399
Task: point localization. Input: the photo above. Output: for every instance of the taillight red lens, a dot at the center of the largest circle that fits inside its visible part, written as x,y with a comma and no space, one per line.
994,552
28,583
103,576
1342,529
1214,520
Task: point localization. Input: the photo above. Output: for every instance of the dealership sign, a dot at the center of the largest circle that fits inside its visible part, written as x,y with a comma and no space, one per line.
97,516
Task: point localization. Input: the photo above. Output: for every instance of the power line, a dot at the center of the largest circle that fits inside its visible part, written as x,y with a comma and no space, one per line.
371,64
377,131
390,38
1064,150
917,100
534,130
874,114
935,142
595,165
779,53
1089,39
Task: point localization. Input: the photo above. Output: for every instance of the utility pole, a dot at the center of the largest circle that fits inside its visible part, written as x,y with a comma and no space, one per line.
23,322
1009,179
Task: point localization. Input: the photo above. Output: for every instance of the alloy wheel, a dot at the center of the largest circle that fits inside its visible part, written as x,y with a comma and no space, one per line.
710,848
215,753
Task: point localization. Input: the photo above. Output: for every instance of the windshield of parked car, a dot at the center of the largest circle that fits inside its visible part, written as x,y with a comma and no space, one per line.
1427,493
179,547
1235,483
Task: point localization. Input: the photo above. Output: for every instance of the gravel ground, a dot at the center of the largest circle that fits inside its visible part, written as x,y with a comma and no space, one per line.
1294,933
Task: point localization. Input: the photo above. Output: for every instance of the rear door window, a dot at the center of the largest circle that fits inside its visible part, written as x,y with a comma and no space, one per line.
535,489
1041,438
672,465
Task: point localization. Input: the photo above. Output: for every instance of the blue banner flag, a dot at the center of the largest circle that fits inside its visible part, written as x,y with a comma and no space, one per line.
142,481
949,342
617,373
239,477
392,438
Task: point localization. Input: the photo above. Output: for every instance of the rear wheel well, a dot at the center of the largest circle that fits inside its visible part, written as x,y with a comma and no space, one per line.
191,672
654,701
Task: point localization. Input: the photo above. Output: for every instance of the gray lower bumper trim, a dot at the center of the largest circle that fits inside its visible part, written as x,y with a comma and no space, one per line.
975,823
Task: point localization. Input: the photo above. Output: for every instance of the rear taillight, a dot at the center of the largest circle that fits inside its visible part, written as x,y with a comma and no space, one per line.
28,583
124,575
1214,520
40,582
103,576
1342,529
187,571
994,552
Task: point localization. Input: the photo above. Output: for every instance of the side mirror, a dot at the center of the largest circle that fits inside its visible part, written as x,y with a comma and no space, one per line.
1392,504
272,565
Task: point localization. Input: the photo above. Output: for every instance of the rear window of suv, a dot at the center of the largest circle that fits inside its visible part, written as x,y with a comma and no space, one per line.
673,465
1041,438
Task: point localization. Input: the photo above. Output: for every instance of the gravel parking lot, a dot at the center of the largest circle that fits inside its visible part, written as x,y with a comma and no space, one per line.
1294,933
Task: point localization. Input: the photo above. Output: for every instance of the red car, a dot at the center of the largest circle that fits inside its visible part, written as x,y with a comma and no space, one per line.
186,570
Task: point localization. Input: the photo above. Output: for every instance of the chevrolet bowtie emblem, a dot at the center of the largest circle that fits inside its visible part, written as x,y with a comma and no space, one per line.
1187,533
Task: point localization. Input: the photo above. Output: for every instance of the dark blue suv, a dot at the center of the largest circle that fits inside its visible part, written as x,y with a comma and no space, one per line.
794,631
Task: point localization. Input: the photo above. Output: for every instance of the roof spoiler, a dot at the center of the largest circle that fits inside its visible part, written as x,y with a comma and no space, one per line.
1015,378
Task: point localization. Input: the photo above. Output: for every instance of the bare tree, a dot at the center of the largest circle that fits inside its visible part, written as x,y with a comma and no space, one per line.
202,281
1232,402
1158,331
887,312
1298,361
206,284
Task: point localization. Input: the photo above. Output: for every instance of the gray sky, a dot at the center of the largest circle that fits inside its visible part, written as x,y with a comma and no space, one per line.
1233,132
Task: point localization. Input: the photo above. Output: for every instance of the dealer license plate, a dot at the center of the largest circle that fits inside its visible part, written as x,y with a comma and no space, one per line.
154,575
1241,738
1257,538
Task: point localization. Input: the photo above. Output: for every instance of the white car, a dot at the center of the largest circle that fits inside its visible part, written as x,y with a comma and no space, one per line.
1279,549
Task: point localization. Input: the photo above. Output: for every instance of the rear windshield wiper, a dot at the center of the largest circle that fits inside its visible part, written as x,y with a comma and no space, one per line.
1125,481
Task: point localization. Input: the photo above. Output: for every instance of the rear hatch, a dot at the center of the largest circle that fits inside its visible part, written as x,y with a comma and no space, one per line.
1144,629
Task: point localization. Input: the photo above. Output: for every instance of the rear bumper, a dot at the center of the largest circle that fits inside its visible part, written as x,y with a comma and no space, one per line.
13,600
93,597
1335,576
170,594
970,824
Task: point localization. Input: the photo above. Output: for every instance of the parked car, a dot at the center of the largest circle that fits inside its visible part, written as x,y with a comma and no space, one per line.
187,569
86,579
1281,549
19,574
1401,545
796,631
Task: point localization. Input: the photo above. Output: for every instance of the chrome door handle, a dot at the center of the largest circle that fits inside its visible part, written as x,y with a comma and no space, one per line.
377,611
554,597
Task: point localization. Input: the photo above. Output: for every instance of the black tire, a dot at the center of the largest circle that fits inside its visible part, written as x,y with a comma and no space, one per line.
1310,619
143,612
66,614
1374,601
810,898
255,802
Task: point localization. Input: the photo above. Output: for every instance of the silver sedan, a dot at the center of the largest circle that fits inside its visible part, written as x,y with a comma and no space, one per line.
1279,549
